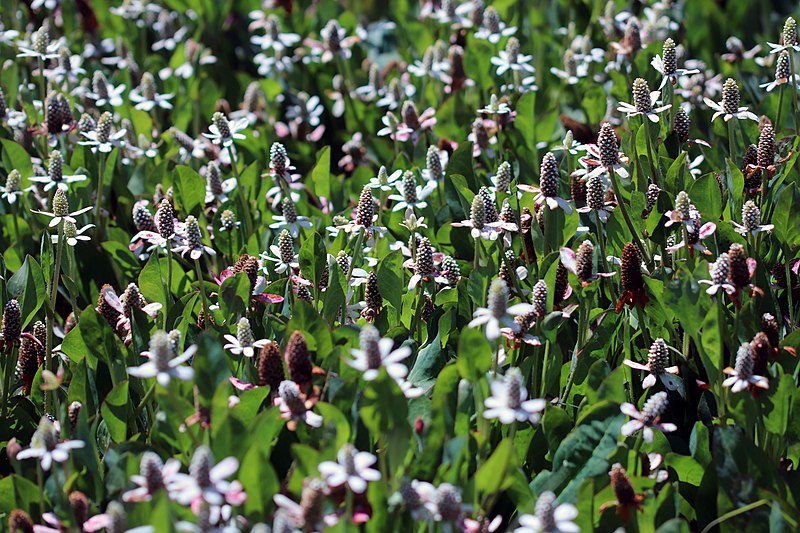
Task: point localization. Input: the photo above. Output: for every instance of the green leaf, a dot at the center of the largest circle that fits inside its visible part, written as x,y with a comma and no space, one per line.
383,406
115,411
474,355
785,219
711,345
321,173
234,296
705,194
390,279
190,189
492,477
334,294
585,453
15,157
16,492
306,319
312,258
28,285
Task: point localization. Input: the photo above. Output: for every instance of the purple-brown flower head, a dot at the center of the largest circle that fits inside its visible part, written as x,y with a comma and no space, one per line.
298,360
270,366
633,292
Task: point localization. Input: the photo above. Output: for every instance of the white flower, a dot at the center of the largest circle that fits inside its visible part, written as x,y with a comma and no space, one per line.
509,400
652,114
62,183
243,342
207,482
144,103
105,146
375,352
658,64
497,314
113,98
384,180
45,446
505,62
549,518
154,475
719,111
648,418
223,132
741,376
293,407
162,365
72,234
352,468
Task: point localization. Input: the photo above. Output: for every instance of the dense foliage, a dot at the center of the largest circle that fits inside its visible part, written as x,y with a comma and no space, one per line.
399,266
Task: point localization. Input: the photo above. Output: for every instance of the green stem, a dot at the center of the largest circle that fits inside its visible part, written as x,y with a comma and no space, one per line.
780,107
17,235
49,397
248,221
789,289
99,195
582,331
654,167
145,399
794,95
201,281
634,234
8,372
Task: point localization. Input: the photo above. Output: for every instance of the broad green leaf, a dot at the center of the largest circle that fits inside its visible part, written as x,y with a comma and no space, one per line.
321,173
474,355
115,411
190,189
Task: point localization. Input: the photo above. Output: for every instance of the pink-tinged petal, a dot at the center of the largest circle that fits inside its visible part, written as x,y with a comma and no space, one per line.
269,298
647,433
630,410
637,366
649,381
241,385
97,523
224,469
357,484
707,229
629,428
667,428
751,266
568,260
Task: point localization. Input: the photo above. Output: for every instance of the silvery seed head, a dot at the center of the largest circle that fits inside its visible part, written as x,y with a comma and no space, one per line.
545,511
193,235
286,246
60,203
641,96
221,121
730,96
782,67
244,333
278,159
548,176
595,193
477,213
497,299
227,220
751,215
669,60
789,34
409,185
365,211
766,146
608,146
683,205
658,356
539,298
434,164
654,408
745,360
682,124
